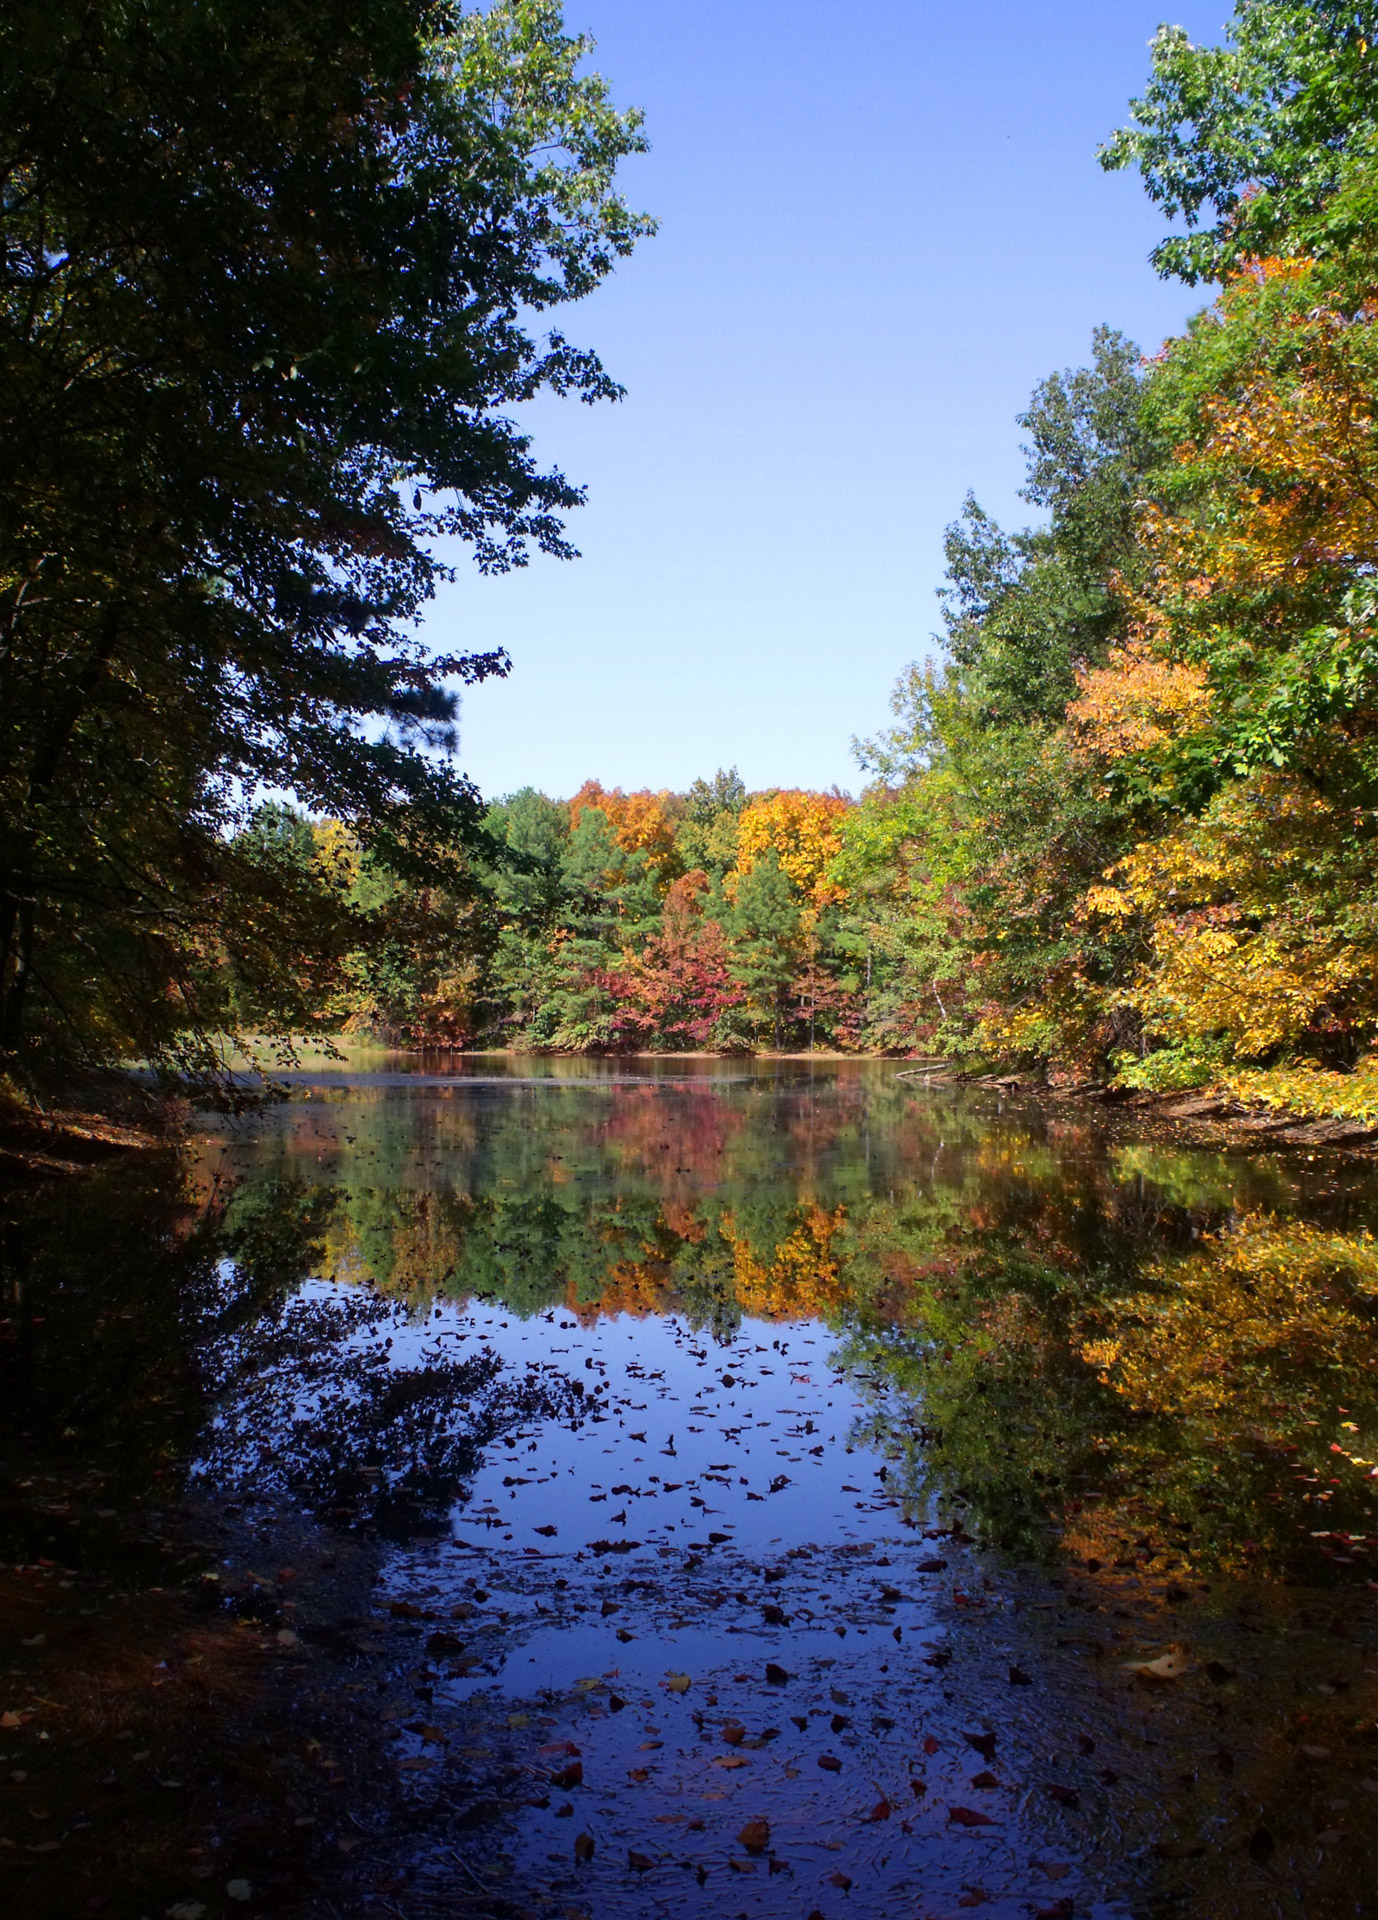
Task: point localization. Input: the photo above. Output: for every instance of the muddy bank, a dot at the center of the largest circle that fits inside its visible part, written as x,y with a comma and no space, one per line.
38,1141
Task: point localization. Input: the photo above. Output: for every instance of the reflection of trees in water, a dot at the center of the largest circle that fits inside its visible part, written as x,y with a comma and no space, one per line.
1139,1378
1111,1347
311,1403
154,1317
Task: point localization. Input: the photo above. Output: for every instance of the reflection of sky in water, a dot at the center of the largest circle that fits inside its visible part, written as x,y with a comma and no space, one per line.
678,1457
680,1451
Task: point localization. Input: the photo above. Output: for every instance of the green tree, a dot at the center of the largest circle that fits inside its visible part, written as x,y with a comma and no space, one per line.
764,925
1255,132
707,835
267,292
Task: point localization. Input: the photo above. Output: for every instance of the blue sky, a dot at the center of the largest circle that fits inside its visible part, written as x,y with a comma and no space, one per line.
881,224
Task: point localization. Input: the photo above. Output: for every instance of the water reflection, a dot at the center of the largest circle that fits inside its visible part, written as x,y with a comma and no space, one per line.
1119,1349
715,1374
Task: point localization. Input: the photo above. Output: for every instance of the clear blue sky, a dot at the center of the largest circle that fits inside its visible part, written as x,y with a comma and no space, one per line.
881,224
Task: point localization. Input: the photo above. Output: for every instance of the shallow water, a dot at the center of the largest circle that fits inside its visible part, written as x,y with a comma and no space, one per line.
790,1468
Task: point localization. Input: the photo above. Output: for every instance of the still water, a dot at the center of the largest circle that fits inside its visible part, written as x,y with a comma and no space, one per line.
835,1495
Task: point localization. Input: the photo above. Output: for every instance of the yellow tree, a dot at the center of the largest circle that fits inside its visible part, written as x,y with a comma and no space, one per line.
804,831
1243,710
642,822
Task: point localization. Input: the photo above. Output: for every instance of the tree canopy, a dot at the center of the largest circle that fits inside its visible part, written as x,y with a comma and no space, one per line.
270,290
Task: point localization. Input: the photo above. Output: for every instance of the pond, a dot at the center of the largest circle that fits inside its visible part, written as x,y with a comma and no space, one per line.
770,1488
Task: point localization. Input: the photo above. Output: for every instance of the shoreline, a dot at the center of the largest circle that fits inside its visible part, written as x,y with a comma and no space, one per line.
74,1139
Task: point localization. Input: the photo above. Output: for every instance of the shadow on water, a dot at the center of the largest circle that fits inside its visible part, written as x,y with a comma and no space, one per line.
760,1488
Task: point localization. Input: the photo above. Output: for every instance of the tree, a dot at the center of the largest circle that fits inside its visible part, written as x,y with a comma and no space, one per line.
706,838
1256,132
678,989
765,929
803,831
642,822
266,295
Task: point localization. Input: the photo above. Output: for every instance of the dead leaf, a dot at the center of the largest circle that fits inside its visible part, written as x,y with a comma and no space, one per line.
678,1683
984,1744
880,1811
583,1848
549,1532
968,1817
1168,1666
755,1836
570,1776
639,1862
830,1763
777,1676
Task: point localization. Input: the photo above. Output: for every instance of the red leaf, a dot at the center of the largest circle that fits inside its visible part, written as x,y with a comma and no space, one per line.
968,1817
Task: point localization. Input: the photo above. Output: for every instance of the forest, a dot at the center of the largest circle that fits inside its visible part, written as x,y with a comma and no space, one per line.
1121,828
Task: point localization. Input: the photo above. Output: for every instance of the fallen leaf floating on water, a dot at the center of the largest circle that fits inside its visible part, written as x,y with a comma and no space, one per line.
984,1744
570,1776
933,1565
1168,1666
639,1862
968,1817
678,1683
880,1811
549,1532
930,1745
830,1763
1060,1910
583,1848
755,1836
1065,1796
1018,1677
777,1676
837,1878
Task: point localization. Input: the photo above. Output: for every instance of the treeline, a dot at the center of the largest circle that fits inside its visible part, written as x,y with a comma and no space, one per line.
713,919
